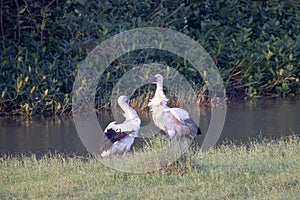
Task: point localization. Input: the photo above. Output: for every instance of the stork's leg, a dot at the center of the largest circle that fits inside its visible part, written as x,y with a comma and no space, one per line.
171,133
124,153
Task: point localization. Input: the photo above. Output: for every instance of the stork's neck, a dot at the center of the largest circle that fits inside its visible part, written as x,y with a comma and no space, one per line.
159,100
129,113
159,87
159,92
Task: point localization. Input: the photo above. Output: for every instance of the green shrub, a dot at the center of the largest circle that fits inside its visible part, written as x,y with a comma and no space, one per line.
255,45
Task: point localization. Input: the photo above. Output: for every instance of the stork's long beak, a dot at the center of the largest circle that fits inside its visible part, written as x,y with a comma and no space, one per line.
151,80
132,96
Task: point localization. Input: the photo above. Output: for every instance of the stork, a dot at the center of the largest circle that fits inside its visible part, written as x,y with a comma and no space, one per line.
121,136
173,121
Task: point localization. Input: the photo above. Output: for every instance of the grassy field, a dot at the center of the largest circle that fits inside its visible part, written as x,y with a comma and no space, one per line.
260,170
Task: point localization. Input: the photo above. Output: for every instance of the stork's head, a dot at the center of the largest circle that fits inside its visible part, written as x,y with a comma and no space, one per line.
156,79
122,99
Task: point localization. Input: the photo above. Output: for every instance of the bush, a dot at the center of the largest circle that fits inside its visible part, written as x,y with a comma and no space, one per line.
255,45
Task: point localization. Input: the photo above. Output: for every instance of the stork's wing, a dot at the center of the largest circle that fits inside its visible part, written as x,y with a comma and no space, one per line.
106,143
114,135
180,114
128,127
110,125
184,117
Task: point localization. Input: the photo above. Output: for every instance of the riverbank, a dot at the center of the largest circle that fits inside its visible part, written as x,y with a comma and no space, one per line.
266,169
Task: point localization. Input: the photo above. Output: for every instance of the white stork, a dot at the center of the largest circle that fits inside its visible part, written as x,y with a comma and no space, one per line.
173,121
121,135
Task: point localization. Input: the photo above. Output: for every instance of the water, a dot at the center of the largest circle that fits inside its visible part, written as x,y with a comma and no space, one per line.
38,136
244,120
271,118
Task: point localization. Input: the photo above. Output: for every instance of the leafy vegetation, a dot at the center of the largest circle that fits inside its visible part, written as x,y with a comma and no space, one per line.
262,170
255,45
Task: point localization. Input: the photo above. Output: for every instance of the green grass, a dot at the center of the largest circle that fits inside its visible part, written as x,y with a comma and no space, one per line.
267,169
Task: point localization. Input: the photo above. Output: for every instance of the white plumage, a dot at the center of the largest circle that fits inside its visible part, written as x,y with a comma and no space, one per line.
121,135
173,121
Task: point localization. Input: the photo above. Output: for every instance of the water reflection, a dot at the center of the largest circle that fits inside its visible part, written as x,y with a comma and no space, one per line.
271,118
40,136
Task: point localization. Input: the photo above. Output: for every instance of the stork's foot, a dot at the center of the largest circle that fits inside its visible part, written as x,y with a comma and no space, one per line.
105,153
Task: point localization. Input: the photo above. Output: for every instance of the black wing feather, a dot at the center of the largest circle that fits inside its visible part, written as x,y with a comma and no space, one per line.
193,126
114,135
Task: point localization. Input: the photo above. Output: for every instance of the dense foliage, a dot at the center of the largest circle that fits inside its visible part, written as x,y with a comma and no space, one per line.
255,44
